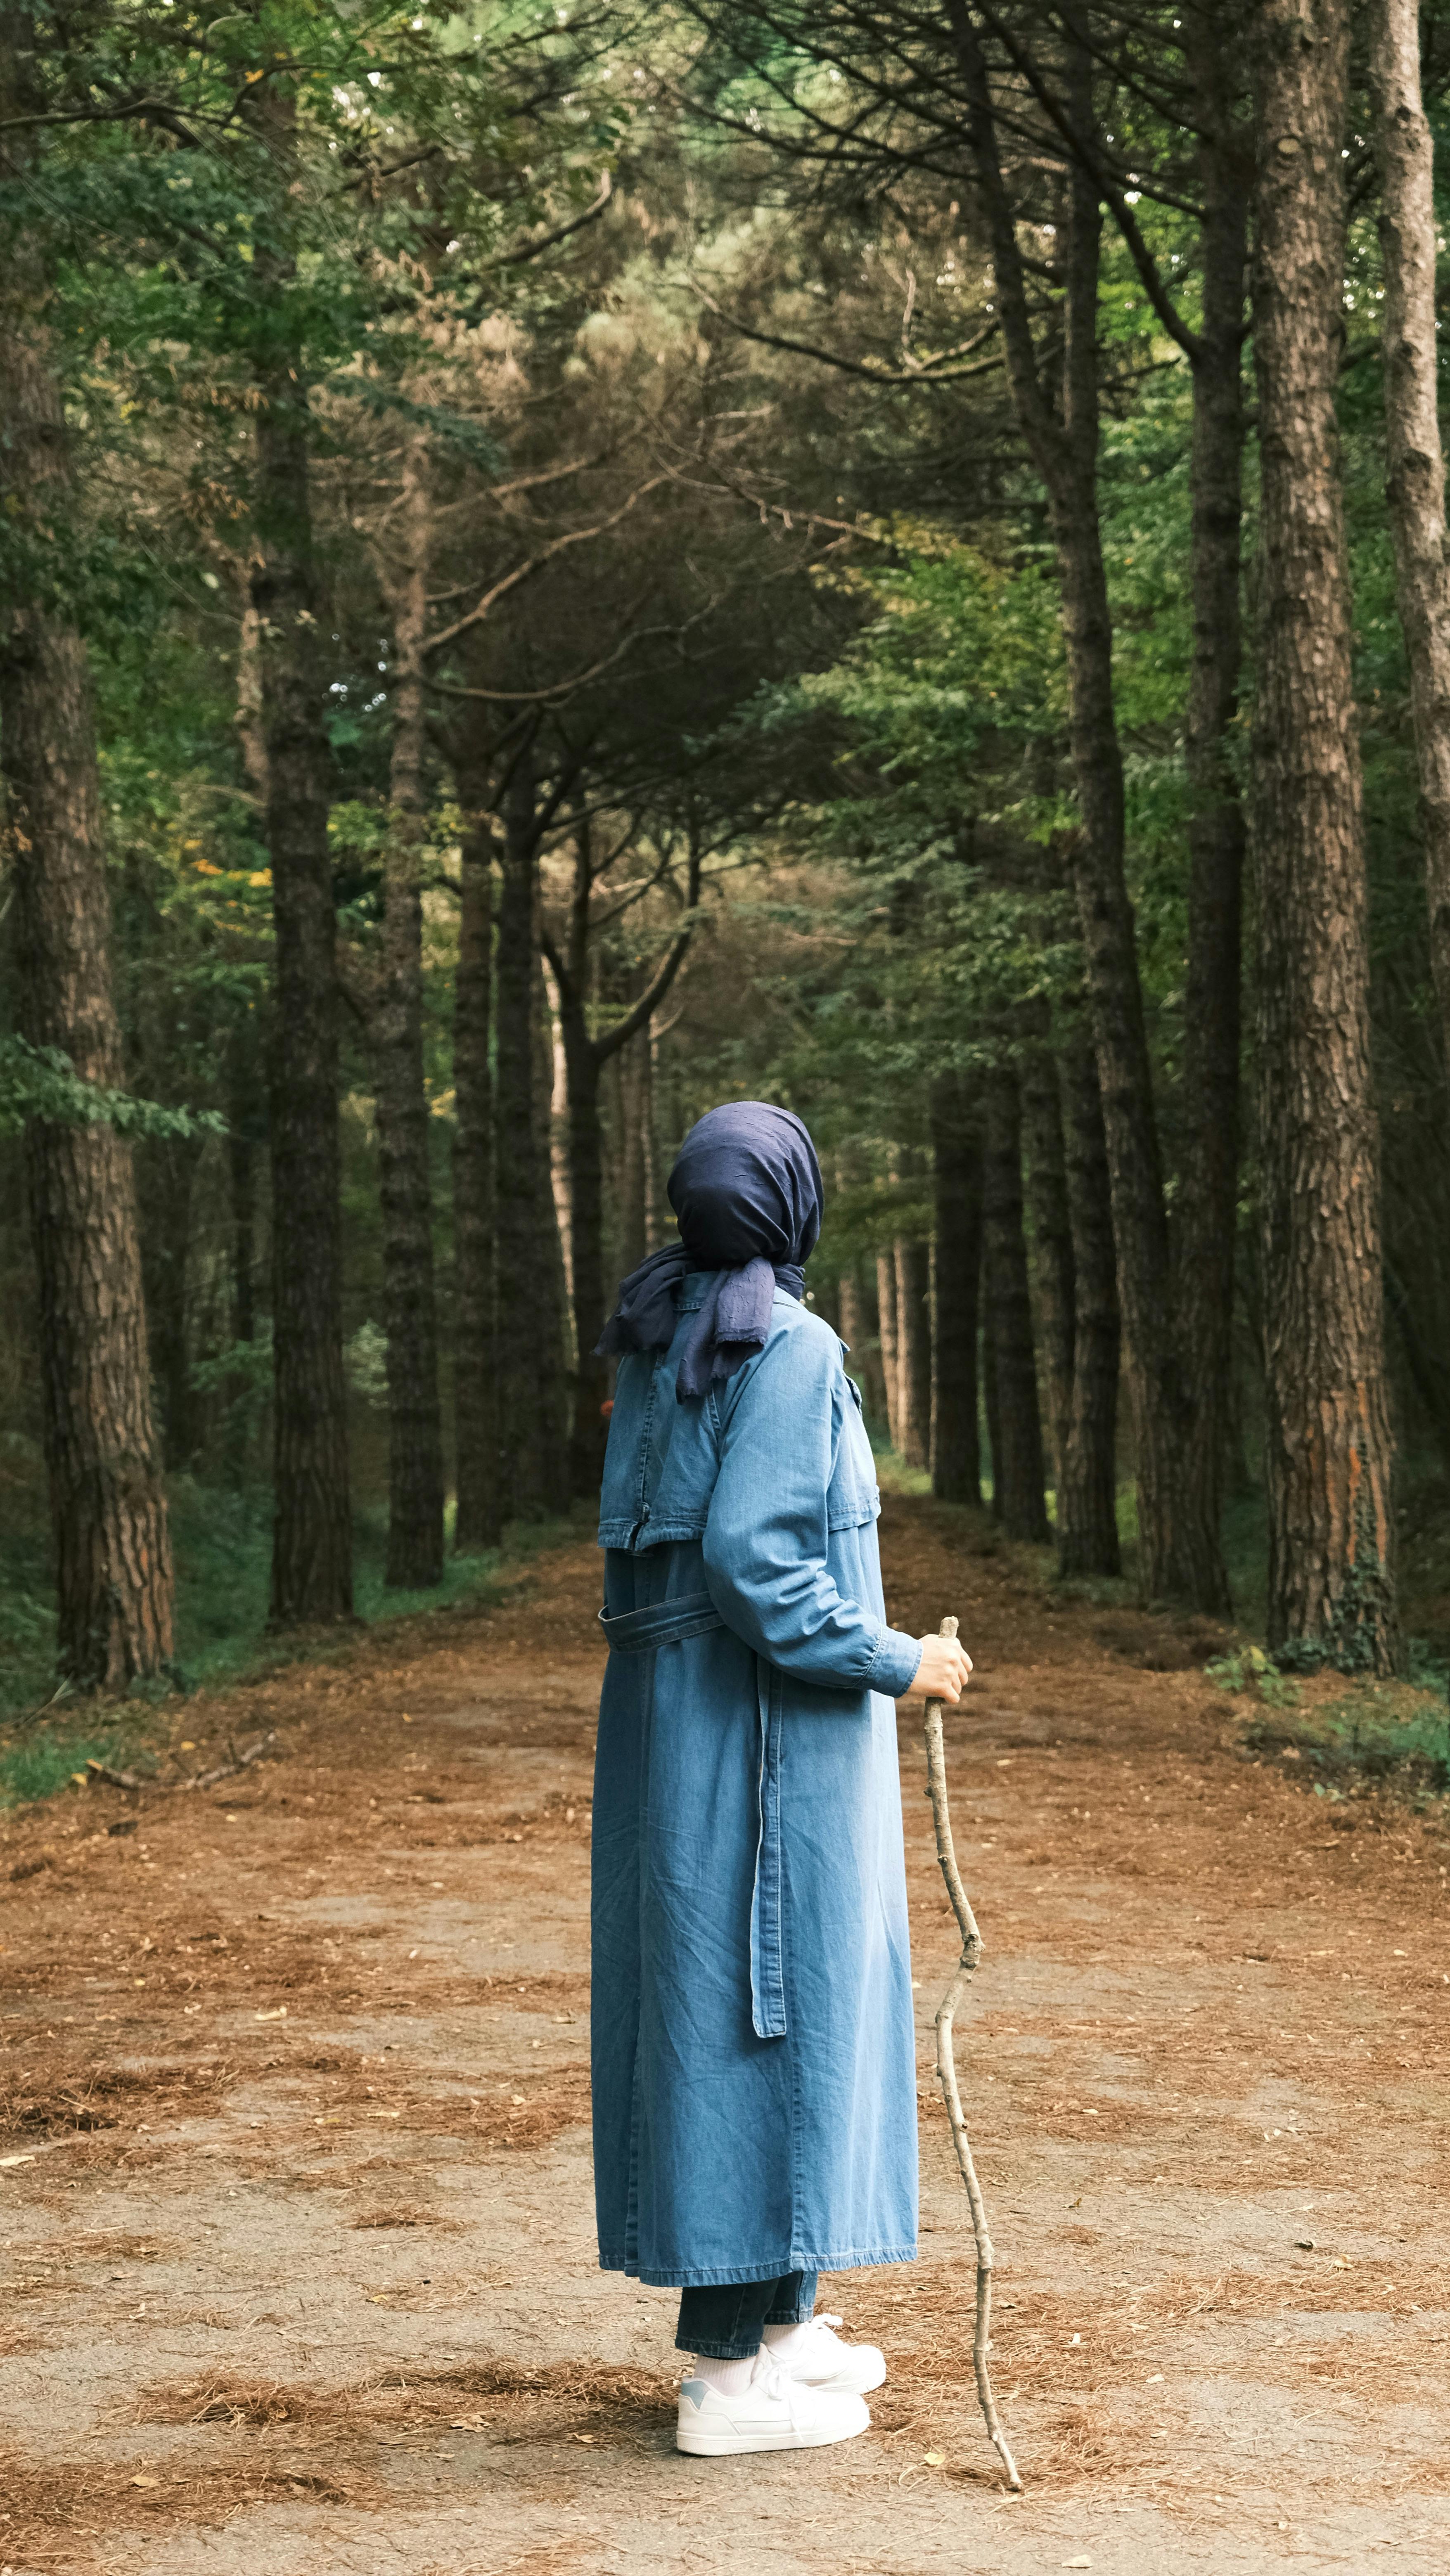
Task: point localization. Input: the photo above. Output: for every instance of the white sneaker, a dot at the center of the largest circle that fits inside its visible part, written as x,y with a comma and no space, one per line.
775,2413
821,2361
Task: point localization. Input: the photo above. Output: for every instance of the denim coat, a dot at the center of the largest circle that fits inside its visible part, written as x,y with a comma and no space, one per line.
754,2056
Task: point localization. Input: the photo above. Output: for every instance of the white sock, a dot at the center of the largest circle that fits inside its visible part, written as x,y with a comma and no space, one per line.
731,2378
784,2341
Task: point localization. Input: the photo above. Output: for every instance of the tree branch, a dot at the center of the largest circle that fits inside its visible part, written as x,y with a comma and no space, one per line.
561,232
924,372
637,1018
1042,431
1080,147
536,563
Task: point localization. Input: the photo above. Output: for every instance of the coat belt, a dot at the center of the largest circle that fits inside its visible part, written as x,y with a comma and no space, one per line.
693,1614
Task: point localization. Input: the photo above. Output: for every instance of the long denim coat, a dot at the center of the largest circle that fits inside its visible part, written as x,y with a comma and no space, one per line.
753,2050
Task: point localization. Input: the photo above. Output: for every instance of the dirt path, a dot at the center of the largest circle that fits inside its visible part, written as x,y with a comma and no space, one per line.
315,2288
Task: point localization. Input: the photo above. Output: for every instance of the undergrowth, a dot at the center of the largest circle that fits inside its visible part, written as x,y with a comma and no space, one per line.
1396,1731
44,1759
222,1542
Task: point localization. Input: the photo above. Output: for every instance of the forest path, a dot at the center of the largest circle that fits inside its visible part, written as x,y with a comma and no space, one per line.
319,2289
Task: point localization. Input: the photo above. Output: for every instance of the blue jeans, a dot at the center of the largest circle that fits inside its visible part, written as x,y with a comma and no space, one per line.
723,2321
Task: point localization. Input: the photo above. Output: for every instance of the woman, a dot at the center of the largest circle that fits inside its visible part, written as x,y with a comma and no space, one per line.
754,2058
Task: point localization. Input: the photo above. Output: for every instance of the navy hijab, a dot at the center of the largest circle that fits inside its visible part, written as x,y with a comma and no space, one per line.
746,1189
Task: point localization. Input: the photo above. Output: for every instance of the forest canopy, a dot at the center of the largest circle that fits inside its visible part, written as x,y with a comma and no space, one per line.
561,565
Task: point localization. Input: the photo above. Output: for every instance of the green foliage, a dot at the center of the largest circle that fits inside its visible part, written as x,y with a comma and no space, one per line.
1377,1731
1253,1671
41,1082
222,1542
40,1763
366,1360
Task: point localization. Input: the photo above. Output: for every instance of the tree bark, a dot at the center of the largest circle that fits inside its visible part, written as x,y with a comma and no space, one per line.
1177,1559
860,1334
478,1521
1017,1459
1404,150
554,1384
243,1084
627,1042
165,1198
591,1295
890,1344
559,1160
520,1163
108,1506
634,1205
913,1350
415,1414
1330,1452
312,1529
1206,1223
1055,1283
1087,1500
989,1400
850,1309
251,731
956,1449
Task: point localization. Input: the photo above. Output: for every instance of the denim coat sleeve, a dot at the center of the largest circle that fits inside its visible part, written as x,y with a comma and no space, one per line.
766,1538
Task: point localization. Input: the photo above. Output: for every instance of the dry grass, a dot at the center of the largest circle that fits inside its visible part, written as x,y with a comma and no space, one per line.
1084,2446
51,2512
1080,2349
513,2401
217,2399
108,2097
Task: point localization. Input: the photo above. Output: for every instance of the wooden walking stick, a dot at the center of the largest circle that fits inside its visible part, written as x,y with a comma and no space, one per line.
946,2068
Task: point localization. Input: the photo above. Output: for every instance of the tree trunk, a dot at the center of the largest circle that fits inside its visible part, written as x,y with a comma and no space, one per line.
165,1193
251,731
890,1348
1206,1228
1087,1498
989,1397
1055,1288
520,1160
1330,1453
634,1214
865,1345
415,1417
554,1378
913,1350
479,1518
956,1449
534,1446
1404,150
591,1292
669,1125
108,1506
559,1157
1175,1558
1018,1478
242,1212
627,1045
312,1528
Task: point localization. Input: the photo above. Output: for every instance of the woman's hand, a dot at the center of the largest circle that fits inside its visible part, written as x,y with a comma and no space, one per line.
944,1670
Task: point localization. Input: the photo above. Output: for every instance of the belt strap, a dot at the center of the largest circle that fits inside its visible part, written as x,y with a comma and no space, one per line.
693,1614
635,1632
